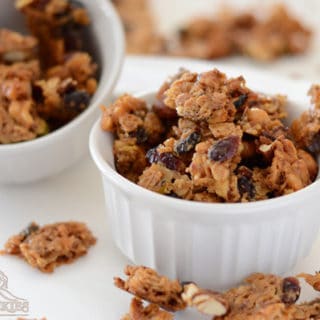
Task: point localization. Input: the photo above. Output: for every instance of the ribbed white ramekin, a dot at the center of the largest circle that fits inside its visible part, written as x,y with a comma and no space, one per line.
215,245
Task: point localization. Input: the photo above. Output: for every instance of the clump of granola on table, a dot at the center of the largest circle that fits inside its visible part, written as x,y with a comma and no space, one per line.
47,78
211,138
51,245
259,297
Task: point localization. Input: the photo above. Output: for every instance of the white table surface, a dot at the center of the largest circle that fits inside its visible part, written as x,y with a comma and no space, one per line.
85,289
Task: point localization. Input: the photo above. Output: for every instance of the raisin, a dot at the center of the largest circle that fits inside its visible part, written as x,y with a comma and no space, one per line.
171,161
246,186
77,100
240,101
37,94
140,134
290,290
224,149
163,111
173,195
314,146
31,228
152,155
188,143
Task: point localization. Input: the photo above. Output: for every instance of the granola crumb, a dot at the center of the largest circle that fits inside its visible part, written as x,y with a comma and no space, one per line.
52,245
150,312
146,284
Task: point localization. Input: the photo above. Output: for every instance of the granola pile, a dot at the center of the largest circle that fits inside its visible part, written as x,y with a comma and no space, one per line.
211,138
263,38
52,245
47,78
259,297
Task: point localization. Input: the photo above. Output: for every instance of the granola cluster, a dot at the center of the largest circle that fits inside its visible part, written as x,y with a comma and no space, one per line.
211,138
52,245
277,34
261,37
48,78
259,297
139,27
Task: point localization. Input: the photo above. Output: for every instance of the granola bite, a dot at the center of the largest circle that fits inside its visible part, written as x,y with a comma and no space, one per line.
151,312
78,66
278,35
259,291
15,47
130,160
58,25
146,284
128,117
160,179
139,26
50,246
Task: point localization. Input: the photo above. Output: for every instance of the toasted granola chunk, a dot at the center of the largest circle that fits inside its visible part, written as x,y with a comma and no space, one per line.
52,245
80,67
130,118
213,165
259,291
208,96
150,312
140,29
14,47
147,284
163,180
279,34
130,160
58,25
288,172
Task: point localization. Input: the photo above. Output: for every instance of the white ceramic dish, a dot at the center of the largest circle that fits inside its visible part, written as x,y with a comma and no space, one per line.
48,155
215,245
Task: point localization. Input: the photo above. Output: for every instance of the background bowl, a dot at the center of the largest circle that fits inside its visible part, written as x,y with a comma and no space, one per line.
49,155
215,245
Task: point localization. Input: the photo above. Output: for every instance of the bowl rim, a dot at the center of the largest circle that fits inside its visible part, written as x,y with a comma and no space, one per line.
104,92
137,191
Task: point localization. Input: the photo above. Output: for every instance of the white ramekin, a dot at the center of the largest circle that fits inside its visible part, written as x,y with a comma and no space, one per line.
46,156
215,245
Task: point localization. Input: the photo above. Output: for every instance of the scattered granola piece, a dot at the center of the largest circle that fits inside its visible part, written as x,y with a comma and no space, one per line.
52,245
146,284
150,312
312,280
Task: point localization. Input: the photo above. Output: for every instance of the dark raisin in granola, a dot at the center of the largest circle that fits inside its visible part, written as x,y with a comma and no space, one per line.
188,143
140,134
290,290
152,155
77,100
224,149
31,228
240,101
314,146
169,160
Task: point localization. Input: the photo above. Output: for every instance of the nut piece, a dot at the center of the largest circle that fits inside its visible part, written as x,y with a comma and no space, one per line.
205,301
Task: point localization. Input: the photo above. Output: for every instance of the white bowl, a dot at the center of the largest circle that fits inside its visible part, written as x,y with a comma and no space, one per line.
49,155
215,245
